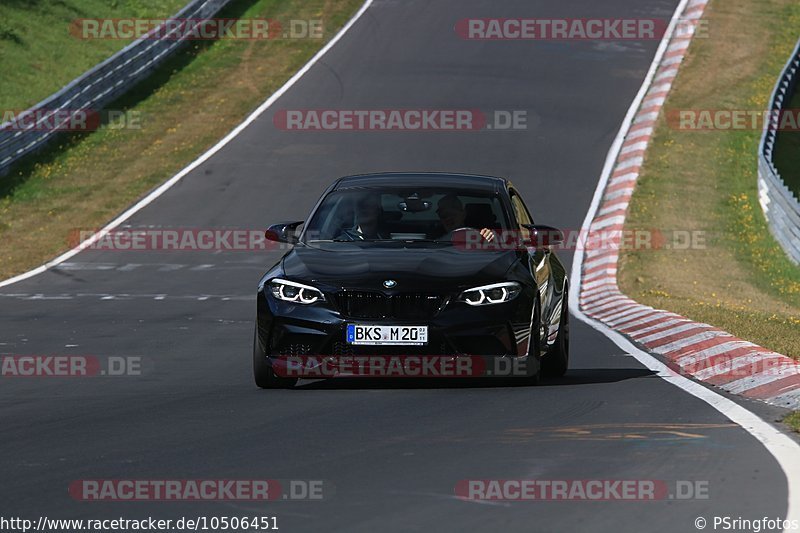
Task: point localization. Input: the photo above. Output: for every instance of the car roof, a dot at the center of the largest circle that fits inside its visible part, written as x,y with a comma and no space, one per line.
423,179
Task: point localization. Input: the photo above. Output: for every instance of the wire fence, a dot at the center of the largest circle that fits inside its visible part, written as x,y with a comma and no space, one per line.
95,88
780,205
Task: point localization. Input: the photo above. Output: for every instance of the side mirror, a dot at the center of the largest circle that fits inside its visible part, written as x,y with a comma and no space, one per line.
544,236
283,232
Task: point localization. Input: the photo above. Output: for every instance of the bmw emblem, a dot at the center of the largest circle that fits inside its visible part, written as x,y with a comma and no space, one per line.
389,283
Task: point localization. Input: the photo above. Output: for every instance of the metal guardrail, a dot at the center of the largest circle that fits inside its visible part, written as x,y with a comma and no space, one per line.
780,206
96,87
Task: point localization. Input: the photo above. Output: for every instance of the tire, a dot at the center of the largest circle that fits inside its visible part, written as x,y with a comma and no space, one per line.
262,371
556,362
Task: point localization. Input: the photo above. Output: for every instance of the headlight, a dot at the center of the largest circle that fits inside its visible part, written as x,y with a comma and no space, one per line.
291,291
491,294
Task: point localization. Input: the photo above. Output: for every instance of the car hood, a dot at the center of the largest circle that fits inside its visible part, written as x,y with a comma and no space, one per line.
357,265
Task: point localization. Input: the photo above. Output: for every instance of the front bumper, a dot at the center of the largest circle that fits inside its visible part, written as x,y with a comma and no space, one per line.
290,329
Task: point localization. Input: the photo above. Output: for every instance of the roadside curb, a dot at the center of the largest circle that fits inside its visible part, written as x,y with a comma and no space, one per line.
690,348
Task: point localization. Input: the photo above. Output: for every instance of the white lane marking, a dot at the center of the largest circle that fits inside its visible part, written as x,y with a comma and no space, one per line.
646,117
727,366
74,266
634,147
144,202
618,305
663,87
755,380
690,325
696,339
606,296
125,296
628,316
604,283
655,100
612,208
678,45
641,318
610,221
674,59
632,162
631,176
640,332
605,273
611,258
785,450
725,347
668,73
87,266
600,287
617,194
618,311
638,133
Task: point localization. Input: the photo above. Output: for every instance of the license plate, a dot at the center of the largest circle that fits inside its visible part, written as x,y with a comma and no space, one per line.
387,335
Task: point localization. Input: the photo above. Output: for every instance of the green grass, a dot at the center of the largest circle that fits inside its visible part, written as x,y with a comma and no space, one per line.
742,281
38,55
793,421
84,180
787,151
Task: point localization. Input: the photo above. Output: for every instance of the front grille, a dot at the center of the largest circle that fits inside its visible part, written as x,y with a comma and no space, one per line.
292,349
364,304
412,305
376,305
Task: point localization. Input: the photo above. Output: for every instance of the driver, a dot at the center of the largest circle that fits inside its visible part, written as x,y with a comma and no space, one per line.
368,220
452,216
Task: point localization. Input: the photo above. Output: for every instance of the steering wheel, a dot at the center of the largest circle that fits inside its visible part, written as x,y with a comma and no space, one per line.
464,237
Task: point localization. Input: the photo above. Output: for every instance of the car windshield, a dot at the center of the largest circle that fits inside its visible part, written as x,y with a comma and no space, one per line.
399,214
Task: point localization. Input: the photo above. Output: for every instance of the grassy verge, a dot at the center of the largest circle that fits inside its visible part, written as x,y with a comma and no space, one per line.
793,421
185,108
38,55
741,280
787,151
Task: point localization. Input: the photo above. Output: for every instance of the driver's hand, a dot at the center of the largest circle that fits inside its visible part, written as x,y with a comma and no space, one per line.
487,234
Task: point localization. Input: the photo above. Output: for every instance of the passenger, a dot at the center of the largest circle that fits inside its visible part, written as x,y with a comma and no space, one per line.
452,216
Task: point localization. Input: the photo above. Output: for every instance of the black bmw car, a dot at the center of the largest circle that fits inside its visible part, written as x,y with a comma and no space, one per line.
413,264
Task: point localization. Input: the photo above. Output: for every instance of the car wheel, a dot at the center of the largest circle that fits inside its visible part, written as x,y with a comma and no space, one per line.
556,362
262,371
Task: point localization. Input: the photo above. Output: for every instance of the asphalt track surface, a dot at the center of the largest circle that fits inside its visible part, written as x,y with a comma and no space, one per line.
394,451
